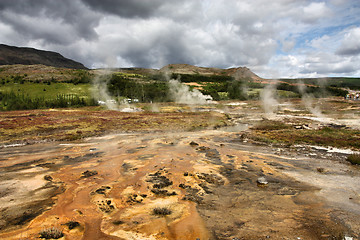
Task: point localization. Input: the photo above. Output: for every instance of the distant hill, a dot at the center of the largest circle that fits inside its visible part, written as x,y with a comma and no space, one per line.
240,72
10,55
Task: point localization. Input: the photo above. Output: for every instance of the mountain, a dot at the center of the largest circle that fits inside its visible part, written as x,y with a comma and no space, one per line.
239,72
10,55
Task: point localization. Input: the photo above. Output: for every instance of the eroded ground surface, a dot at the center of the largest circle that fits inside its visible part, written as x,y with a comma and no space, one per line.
208,181
209,184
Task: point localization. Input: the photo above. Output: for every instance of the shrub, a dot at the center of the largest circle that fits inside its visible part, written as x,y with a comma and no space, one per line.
51,233
354,159
163,211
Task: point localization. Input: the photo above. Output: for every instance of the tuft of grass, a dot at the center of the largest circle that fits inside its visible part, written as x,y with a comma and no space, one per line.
354,159
51,233
162,211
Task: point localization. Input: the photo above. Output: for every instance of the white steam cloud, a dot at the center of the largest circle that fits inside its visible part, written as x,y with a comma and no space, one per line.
181,94
269,101
99,90
308,101
101,94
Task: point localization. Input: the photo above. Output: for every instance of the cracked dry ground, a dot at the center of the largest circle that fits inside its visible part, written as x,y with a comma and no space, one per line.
190,185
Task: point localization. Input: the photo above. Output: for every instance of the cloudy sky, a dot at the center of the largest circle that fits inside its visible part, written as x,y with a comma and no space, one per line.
277,38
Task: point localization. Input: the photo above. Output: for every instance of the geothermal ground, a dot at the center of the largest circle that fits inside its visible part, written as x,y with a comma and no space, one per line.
280,175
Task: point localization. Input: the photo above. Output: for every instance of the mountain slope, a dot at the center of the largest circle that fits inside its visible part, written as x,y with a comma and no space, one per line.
240,72
10,55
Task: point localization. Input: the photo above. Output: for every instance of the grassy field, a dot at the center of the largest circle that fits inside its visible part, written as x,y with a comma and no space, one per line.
48,91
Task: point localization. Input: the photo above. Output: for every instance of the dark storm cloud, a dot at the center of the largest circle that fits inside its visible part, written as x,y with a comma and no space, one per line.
126,8
49,21
216,33
347,51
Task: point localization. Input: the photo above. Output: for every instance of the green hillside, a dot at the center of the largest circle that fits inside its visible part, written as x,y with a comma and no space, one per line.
39,86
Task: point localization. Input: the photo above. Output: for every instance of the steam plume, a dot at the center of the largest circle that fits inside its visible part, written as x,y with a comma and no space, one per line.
181,94
268,99
308,101
99,90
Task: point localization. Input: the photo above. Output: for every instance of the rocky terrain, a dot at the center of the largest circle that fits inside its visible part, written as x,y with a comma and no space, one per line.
10,55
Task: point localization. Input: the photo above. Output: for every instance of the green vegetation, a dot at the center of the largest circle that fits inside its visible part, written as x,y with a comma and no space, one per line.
352,83
19,101
315,90
354,159
20,91
40,86
337,82
201,78
47,90
121,85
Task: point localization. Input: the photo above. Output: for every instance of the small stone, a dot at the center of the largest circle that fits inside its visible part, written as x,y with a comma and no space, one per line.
262,181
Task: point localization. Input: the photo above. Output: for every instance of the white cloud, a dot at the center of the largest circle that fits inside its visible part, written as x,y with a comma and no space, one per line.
274,38
315,11
351,43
